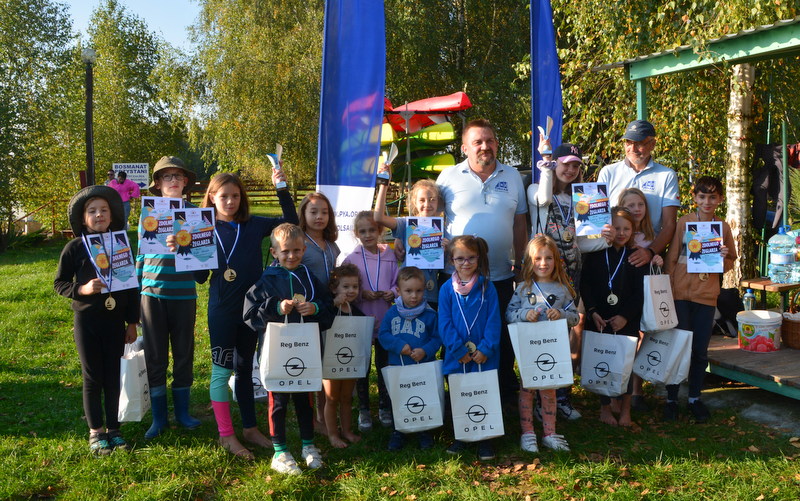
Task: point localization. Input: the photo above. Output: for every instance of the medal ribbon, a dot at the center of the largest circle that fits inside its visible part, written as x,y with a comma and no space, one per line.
468,325
236,241
564,219
610,276
305,291
324,254
108,256
366,268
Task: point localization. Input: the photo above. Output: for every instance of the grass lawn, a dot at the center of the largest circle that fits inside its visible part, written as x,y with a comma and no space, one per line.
44,453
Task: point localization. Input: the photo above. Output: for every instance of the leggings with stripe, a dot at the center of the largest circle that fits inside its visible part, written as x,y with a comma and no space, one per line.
279,405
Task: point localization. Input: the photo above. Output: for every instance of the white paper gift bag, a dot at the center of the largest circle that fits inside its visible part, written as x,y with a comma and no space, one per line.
347,346
606,362
417,395
134,394
260,394
543,354
658,310
475,405
291,361
664,356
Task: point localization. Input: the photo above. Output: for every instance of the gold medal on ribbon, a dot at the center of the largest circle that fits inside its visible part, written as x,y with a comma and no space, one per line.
703,277
299,298
229,275
567,236
471,348
110,303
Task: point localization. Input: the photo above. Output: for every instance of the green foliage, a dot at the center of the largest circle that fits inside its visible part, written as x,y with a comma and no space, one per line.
254,82
689,110
435,48
35,53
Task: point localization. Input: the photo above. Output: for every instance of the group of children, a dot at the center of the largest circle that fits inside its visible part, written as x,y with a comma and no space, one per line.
417,313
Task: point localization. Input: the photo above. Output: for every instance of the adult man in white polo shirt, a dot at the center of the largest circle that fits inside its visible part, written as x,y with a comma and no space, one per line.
658,183
485,198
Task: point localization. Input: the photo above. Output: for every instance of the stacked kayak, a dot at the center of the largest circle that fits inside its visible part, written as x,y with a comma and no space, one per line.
429,132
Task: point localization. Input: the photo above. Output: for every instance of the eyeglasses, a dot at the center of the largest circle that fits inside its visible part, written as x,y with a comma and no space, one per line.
170,177
460,260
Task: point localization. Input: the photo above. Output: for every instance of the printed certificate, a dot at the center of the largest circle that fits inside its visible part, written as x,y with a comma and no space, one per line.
197,244
112,258
592,210
703,241
423,243
155,224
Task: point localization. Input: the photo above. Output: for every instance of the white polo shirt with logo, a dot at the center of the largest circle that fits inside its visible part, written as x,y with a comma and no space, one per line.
658,183
484,209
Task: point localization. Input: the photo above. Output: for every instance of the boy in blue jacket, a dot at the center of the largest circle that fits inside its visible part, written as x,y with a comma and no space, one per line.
289,290
410,334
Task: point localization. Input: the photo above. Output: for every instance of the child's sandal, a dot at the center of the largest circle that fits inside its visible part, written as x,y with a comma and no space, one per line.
117,442
99,445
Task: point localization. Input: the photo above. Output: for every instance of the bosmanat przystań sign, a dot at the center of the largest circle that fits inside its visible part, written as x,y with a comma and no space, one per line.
139,173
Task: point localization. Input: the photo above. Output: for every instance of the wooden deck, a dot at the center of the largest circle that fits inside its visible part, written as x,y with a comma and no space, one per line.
778,371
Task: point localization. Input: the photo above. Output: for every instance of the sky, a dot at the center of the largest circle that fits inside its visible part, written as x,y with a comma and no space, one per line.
168,18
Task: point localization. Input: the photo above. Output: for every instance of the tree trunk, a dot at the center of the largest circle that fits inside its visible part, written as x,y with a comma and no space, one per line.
740,122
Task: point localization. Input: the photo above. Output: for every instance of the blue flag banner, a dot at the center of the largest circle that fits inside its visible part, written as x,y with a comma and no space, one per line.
351,105
545,78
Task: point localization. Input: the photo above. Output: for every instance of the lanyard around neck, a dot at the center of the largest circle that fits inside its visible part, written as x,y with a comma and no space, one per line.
366,269
233,248
469,325
610,276
324,254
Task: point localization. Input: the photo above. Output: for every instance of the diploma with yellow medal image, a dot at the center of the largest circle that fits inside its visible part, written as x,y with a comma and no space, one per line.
155,224
197,244
112,259
592,210
424,243
703,241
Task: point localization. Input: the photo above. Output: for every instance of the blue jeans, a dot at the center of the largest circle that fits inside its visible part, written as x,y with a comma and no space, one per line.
698,318
126,207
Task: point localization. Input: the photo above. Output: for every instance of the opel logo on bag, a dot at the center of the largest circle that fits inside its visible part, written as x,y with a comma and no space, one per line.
601,370
654,358
415,405
294,367
345,355
477,413
545,362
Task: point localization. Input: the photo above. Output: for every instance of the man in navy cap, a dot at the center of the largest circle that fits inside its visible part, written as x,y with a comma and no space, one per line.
658,183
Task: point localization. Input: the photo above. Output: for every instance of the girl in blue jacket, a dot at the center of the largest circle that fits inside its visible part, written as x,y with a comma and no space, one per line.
469,318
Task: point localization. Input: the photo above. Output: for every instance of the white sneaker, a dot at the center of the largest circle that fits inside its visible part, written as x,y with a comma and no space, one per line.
285,463
527,442
555,442
312,456
364,420
385,415
566,409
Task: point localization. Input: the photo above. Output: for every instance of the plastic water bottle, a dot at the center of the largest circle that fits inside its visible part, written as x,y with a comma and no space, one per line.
782,258
749,300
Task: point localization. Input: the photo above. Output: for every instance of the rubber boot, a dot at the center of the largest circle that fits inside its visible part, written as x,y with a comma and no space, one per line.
180,399
158,406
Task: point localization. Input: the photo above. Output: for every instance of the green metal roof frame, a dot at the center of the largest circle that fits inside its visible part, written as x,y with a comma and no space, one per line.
777,40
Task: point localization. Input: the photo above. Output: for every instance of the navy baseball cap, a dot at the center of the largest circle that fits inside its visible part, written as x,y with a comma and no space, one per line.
639,130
